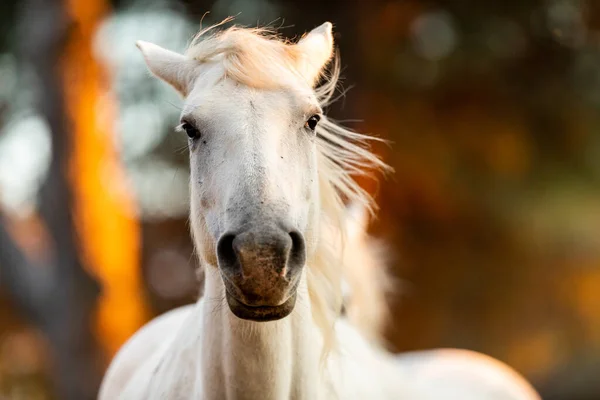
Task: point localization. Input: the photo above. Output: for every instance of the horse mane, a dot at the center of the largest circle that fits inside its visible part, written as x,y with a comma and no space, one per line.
258,57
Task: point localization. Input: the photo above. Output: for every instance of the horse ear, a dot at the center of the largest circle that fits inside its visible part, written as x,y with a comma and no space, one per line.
173,68
316,49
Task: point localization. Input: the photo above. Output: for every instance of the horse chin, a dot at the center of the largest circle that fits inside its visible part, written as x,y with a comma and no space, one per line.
261,313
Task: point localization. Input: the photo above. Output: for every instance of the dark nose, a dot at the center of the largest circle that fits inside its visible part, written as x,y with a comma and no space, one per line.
261,267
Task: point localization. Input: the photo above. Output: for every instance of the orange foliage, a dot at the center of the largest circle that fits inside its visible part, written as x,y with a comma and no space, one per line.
105,211
537,353
585,299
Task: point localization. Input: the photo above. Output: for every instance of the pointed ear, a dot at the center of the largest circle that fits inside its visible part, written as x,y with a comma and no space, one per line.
173,68
316,49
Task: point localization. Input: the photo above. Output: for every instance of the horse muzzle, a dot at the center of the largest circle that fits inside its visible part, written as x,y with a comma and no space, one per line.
261,270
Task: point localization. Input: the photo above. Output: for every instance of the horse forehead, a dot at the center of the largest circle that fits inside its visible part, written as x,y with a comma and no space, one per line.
258,102
234,98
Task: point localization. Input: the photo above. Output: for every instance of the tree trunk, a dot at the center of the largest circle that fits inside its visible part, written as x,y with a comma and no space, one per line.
59,296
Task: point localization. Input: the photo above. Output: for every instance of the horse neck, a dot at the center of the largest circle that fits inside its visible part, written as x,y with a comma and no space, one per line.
268,360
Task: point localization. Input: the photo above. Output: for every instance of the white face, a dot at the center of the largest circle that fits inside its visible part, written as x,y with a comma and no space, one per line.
252,159
254,178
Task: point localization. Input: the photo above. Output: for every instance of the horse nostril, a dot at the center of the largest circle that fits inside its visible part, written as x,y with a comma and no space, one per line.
250,254
226,254
297,256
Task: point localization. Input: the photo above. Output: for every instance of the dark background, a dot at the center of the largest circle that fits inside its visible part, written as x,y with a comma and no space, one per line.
492,218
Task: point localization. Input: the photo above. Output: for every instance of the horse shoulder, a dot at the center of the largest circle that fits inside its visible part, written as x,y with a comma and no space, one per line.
139,350
360,369
464,375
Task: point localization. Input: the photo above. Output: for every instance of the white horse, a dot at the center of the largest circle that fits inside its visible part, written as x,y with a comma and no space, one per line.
268,175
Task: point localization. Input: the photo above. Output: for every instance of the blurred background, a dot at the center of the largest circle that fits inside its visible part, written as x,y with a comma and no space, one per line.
492,217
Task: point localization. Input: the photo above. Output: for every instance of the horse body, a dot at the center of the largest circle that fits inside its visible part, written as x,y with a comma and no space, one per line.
269,176
203,352
165,361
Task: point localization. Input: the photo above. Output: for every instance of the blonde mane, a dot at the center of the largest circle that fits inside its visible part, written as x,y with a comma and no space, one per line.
258,58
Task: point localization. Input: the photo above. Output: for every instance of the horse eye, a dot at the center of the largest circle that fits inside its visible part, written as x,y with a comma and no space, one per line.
190,130
312,122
